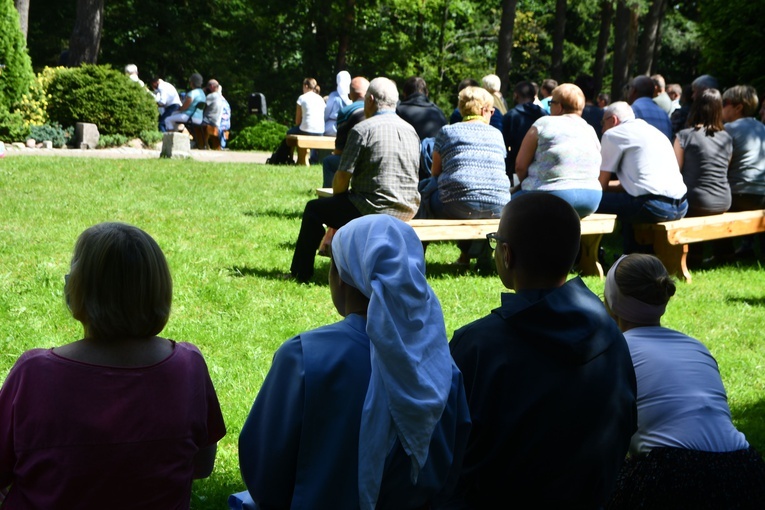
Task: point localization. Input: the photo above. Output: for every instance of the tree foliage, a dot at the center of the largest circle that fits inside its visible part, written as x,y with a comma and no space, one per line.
16,74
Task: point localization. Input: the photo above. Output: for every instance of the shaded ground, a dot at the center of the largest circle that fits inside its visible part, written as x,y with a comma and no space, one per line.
224,156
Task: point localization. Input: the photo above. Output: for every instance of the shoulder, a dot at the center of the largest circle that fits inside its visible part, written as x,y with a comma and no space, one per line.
481,334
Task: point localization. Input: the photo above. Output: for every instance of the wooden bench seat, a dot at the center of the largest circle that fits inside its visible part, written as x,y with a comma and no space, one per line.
304,144
593,229
670,239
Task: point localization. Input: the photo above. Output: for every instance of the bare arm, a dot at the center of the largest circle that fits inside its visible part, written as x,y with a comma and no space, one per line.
679,154
298,115
204,461
435,166
526,153
341,182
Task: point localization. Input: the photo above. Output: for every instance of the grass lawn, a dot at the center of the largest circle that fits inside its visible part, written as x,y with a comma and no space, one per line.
228,230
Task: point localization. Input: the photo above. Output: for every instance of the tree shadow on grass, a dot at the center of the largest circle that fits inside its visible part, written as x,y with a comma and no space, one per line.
751,421
320,276
751,301
438,270
273,213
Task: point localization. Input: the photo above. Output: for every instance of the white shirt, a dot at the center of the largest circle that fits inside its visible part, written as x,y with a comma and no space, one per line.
681,400
313,112
643,159
166,94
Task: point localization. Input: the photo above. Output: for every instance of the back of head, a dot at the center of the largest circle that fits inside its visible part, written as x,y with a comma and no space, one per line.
473,99
543,232
587,84
705,81
525,91
311,84
548,85
621,110
119,284
414,85
212,85
638,288
196,80
131,69
706,111
642,86
359,86
658,82
745,95
675,89
384,92
492,83
570,98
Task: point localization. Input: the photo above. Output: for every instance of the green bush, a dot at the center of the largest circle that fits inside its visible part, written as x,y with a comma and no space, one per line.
16,76
102,96
53,132
150,137
12,126
266,135
112,141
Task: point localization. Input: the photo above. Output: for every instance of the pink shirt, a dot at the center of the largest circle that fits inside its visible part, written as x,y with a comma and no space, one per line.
75,435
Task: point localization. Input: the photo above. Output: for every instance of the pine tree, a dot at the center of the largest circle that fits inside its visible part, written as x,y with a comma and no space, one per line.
16,75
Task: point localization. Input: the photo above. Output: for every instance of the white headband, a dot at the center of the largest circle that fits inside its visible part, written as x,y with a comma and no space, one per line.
628,307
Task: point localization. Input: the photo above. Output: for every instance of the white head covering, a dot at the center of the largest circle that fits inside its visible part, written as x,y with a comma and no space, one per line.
628,307
344,86
411,376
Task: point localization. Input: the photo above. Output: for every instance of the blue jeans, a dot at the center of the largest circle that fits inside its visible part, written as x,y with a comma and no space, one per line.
641,209
329,166
584,201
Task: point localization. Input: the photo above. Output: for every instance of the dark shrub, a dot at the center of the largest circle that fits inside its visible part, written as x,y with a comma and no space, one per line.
104,97
16,76
52,132
12,127
112,141
263,136
150,137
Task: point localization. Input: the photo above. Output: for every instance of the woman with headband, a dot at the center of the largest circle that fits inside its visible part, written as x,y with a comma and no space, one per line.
370,412
686,452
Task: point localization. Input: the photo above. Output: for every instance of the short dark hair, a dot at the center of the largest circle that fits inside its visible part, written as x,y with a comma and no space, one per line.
414,85
587,84
643,86
543,232
119,284
549,84
196,80
525,90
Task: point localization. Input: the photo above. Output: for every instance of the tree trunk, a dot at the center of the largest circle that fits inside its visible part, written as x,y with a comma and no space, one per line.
559,35
606,16
625,26
344,40
23,7
505,49
86,36
649,40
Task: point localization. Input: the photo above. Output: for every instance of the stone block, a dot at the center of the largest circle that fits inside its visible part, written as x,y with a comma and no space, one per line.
86,133
47,144
31,143
175,145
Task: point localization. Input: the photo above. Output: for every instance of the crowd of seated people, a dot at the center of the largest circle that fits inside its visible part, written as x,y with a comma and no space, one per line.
554,399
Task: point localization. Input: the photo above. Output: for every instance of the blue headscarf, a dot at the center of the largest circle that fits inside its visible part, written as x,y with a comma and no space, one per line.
382,257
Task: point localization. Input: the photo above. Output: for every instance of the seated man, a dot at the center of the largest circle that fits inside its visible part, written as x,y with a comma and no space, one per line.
193,99
660,95
168,100
425,117
369,412
211,118
548,375
348,117
641,99
517,122
377,174
650,188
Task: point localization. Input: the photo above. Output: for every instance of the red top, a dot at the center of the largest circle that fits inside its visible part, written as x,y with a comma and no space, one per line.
75,435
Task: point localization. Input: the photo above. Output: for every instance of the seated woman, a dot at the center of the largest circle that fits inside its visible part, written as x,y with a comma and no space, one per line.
369,412
121,418
686,452
309,120
337,99
703,153
560,154
469,179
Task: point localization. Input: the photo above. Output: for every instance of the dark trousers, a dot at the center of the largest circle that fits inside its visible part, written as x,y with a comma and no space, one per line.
169,110
334,212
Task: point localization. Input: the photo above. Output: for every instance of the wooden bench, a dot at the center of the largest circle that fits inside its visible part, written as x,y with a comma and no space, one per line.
670,239
304,144
593,229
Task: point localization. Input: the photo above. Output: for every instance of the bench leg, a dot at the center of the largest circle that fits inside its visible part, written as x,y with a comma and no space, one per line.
674,257
302,158
588,257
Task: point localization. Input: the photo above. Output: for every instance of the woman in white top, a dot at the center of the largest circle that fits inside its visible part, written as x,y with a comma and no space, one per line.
309,120
686,452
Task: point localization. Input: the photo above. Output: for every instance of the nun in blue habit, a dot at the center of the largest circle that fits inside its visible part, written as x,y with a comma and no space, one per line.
367,413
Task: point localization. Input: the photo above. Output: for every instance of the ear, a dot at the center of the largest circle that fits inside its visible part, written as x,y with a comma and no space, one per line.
508,258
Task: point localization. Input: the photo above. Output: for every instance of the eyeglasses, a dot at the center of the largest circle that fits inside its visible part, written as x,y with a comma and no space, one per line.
494,240
553,101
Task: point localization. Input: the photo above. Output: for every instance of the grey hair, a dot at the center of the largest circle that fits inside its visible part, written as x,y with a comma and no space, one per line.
491,82
621,110
384,92
196,80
